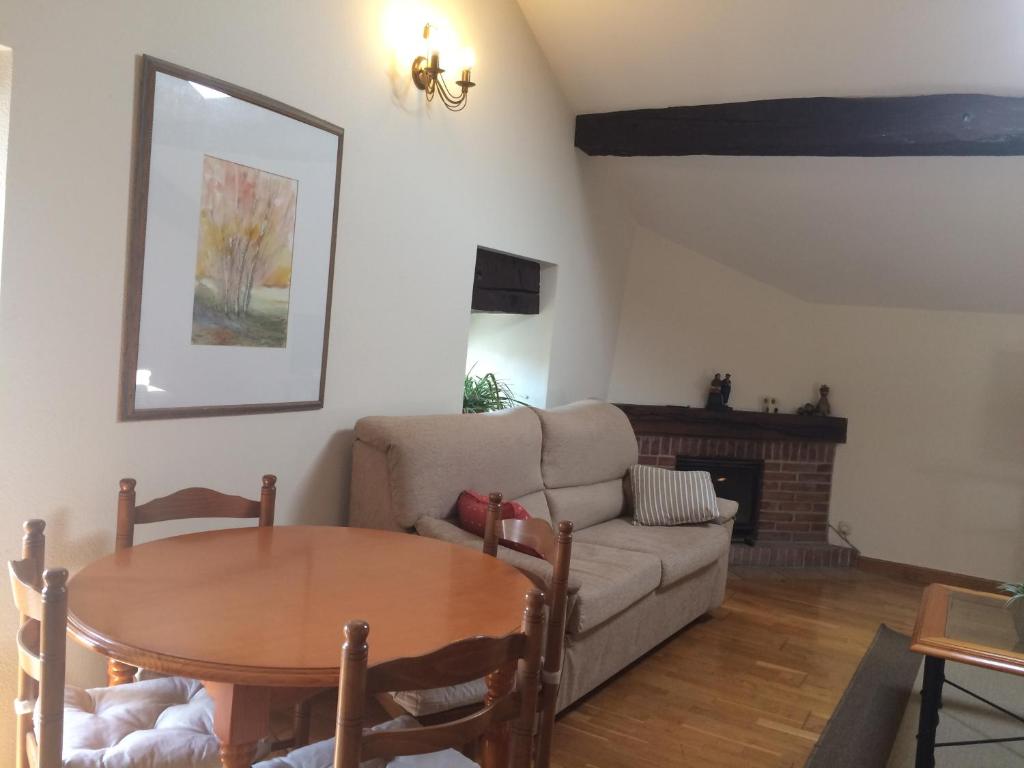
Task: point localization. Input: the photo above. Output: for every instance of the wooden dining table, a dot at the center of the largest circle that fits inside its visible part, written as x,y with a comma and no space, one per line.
257,614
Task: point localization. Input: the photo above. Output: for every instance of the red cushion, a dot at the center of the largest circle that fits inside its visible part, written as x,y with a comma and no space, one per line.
472,509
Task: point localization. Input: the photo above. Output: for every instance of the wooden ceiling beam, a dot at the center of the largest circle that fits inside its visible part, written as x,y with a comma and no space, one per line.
900,126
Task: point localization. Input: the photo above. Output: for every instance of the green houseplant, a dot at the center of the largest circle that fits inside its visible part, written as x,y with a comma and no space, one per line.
482,394
1015,604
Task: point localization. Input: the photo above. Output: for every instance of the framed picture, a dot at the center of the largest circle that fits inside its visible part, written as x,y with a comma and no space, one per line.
232,232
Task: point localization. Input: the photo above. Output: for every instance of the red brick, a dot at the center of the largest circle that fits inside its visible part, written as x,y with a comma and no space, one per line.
803,527
815,477
799,466
812,497
799,506
810,517
808,536
806,487
775,517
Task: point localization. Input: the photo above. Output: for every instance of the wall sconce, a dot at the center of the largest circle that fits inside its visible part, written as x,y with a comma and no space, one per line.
428,77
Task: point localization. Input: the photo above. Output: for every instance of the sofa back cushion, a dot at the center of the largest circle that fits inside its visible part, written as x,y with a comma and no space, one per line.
586,505
432,459
588,448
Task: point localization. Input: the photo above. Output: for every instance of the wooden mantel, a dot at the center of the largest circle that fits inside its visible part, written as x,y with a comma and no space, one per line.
743,425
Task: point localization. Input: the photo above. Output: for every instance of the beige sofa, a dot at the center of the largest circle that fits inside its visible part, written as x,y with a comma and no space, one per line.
631,586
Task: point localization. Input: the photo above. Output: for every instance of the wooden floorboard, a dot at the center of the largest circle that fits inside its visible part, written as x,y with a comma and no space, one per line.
752,686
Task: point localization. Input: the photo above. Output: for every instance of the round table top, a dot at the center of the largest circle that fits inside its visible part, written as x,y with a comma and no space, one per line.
267,606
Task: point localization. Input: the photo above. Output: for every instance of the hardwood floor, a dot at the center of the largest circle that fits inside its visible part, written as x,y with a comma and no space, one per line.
751,687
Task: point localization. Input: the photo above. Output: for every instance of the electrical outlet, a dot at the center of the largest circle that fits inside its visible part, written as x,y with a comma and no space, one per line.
844,528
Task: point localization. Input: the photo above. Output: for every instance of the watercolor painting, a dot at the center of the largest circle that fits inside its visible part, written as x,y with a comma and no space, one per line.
244,256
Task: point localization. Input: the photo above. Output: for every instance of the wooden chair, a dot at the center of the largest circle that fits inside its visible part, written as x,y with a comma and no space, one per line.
506,716
195,504
557,550
41,599
187,504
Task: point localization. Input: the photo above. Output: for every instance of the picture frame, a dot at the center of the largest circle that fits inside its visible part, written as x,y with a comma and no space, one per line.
233,219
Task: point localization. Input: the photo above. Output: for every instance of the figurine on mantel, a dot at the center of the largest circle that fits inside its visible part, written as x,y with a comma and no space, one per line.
718,393
821,408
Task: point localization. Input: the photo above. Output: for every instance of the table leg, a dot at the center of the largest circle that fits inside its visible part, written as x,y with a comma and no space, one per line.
495,743
241,717
931,700
119,673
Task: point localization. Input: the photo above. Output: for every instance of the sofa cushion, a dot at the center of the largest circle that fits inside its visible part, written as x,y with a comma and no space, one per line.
682,549
431,701
584,443
664,496
432,459
536,504
586,505
611,580
472,508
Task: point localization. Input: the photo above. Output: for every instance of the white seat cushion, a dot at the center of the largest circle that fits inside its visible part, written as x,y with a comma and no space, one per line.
321,754
162,723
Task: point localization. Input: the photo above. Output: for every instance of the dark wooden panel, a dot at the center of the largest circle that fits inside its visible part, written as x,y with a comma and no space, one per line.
749,425
506,272
945,124
513,302
505,283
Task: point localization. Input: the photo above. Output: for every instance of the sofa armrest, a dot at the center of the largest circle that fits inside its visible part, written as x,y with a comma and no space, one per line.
536,569
727,509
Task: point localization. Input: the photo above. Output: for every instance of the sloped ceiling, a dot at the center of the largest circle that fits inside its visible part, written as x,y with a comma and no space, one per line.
937,233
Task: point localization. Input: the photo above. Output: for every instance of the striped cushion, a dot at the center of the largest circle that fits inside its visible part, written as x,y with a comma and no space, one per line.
670,497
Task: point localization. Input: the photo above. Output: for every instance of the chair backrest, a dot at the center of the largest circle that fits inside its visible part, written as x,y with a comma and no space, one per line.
457,663
557,550
188,504
42,601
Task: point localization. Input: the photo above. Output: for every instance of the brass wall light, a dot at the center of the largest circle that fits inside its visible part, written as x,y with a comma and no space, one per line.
428,77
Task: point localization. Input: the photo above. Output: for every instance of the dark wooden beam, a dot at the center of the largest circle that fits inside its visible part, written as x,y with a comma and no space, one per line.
505,283
747,425
947,124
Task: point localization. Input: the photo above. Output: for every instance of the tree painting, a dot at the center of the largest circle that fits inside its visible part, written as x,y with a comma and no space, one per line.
244,256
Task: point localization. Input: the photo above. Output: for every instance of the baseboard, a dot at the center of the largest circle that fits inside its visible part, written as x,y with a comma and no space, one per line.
921,575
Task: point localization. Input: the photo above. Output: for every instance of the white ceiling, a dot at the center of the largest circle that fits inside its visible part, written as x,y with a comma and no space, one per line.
939,233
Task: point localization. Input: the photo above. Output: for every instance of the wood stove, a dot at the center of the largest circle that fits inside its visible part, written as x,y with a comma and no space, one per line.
737,479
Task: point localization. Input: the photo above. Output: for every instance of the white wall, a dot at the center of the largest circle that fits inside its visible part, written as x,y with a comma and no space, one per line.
6,72
685,317
421,187
933,473
516,348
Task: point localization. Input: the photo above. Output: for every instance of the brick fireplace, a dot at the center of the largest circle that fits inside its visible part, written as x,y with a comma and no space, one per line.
798,455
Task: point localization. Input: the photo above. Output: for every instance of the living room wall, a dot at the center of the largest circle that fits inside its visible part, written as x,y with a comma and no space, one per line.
421,188
686,317
933,473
